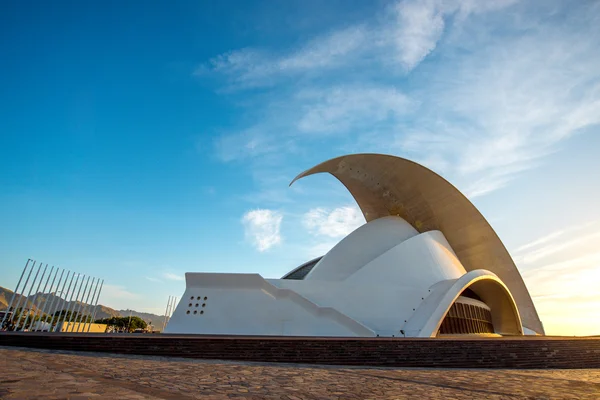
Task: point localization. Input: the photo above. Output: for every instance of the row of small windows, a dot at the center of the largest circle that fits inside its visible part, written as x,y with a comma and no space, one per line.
198,298
195,312
467,318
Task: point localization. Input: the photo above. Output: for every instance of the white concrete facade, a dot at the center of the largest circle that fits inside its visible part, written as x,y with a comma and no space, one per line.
384,279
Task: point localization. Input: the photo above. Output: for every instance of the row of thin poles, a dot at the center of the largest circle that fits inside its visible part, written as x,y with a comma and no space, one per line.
77,304
169,311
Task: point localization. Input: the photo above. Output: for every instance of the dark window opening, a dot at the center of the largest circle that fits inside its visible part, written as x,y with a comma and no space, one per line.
303,270
467,318
470,294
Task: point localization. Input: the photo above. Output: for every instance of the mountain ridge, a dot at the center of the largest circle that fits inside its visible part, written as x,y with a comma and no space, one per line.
59,303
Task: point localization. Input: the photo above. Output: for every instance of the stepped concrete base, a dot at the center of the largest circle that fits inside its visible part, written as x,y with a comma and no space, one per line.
515,352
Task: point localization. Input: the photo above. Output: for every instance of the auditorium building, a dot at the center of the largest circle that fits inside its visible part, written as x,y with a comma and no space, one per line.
426,264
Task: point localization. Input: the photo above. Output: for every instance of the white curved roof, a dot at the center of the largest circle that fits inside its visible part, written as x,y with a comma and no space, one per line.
384,185
360,247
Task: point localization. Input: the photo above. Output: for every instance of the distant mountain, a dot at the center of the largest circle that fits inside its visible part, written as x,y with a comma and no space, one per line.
6,295
106,312
60,304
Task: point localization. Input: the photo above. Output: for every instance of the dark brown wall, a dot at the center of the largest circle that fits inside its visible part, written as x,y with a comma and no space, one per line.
534,352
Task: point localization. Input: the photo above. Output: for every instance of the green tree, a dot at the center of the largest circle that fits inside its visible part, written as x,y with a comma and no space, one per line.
123,324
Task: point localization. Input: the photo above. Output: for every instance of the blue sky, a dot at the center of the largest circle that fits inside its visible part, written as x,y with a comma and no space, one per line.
139,141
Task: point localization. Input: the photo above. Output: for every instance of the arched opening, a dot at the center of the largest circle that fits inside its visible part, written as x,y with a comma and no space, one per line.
483,307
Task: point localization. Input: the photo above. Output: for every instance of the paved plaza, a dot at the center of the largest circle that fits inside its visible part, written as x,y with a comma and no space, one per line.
26,373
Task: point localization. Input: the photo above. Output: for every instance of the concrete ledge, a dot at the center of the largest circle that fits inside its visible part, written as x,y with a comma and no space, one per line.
512,352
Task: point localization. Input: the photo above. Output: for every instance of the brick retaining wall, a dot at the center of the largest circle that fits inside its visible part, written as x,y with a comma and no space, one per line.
528,352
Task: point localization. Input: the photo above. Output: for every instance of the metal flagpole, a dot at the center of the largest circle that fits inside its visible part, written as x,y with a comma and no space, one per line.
75,302
43,292
56,295
171,306
170,311
84,304
61,300
166,312
14,294
48,300
78,306
21,296
35,295
91,306
96,305
173,303
70,301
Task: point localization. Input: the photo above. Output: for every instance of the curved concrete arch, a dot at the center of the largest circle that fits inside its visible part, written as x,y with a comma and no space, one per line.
384,185
493,292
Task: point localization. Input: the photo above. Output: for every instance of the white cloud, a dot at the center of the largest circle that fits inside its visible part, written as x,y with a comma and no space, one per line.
262,228
328,226
336,223
173,277
326,51
552,249
552,238
420,26
562,271
501,107
246,144
252,67
117,292
311,113
405,33
505,92
566,294
151,279
344,108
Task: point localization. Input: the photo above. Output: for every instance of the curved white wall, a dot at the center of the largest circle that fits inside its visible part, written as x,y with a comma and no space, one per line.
418,262
360,247
384,279
386,292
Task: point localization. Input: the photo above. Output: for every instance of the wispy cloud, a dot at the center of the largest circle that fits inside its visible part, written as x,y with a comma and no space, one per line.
117,292
558,241
173,277
254,67
262,228
491,107
419,24
552,249
512,103
327,226
336,223
151,279
348,108
561,270
290,125
403,35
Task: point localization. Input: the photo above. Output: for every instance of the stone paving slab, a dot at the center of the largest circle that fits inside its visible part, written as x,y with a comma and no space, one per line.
32,374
